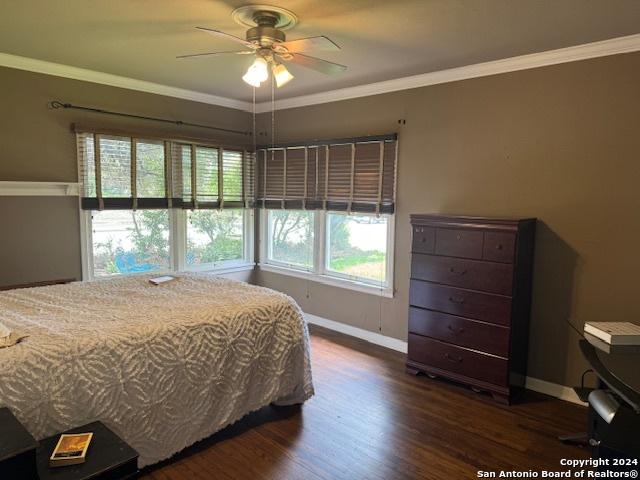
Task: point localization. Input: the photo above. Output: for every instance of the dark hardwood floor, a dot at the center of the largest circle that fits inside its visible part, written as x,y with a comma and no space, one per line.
371,420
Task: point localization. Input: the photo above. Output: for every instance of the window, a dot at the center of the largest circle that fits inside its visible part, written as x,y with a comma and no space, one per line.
348,175
150,181
124,241
115,158
206,174
332,211
347,250
290,238
152,205
357,247
214,237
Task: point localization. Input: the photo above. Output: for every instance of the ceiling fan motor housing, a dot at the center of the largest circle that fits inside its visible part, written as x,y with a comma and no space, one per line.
265,33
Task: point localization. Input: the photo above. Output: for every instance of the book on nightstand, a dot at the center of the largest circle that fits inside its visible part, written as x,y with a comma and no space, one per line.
71,449
614,333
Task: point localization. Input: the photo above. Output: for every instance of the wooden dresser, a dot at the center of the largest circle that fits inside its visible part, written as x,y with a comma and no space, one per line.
469,300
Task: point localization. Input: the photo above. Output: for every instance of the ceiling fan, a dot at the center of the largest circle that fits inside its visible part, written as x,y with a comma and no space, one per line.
267,41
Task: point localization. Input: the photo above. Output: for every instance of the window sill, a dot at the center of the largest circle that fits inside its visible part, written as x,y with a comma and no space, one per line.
218,271
386,292
222,269
156,273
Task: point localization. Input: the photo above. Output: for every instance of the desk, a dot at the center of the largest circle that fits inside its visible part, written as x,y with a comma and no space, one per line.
614,408
617,366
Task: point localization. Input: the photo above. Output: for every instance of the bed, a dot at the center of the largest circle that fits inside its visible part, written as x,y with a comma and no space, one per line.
163,366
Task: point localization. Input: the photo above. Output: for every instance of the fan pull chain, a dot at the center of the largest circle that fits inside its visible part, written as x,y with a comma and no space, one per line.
273,115
253,129
273,125
254,155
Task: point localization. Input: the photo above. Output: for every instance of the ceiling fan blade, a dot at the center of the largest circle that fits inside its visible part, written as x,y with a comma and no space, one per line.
207,54
322,66
310,44
228,36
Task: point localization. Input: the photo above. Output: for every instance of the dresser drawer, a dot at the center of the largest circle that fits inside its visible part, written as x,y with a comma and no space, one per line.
476,275
459,243
499,247
424,239
464,303
457,359
485,337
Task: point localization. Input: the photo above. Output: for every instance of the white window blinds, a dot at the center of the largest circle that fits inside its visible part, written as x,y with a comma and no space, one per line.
356,175
118,172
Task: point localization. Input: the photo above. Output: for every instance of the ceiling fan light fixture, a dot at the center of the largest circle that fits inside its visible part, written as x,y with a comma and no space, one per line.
250,80
257,73
281,75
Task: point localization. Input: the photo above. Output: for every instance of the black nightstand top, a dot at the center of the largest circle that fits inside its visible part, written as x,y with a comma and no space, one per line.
109,457
14,438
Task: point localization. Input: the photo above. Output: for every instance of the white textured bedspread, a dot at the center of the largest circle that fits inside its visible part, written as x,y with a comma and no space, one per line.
163,366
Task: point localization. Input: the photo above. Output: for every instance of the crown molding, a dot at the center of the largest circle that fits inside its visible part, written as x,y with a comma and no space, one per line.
76,73
614,46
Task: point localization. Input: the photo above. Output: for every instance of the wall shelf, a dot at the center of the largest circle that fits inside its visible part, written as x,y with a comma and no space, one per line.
39,189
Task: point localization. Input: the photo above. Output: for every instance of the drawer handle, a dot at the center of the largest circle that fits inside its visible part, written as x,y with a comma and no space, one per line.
499,246
424,240
457,272
456,299
453,359
460,330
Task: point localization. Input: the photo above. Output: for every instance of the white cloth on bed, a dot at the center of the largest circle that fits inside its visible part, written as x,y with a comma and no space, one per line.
5,332
9,338
163,366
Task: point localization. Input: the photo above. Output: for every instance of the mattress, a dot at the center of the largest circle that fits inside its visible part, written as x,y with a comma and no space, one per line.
163,366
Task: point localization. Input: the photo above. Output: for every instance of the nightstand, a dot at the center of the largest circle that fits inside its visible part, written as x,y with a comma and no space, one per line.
108,458
17,449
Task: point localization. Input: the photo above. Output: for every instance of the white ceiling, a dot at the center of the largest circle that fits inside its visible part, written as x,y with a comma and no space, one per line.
380,39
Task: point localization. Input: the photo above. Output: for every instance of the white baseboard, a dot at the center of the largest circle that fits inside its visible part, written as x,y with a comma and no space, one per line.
371,337
561,392
553,389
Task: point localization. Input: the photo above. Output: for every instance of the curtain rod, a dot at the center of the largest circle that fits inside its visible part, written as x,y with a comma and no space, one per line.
55,104
333,141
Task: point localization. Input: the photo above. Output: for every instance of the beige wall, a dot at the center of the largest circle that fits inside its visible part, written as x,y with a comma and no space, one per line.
40,237
558,143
